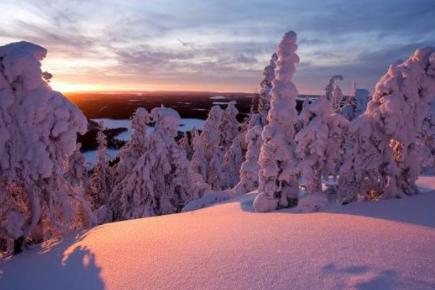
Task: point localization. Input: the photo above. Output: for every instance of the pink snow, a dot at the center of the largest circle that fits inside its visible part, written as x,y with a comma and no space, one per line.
388,244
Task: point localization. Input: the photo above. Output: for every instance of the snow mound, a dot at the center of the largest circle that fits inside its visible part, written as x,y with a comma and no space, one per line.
209,198
374,245
313,202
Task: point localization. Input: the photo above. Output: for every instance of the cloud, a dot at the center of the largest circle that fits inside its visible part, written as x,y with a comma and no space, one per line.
222,41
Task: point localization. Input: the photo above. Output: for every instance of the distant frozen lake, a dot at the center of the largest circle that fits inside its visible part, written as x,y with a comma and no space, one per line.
218,98
222,103
186,124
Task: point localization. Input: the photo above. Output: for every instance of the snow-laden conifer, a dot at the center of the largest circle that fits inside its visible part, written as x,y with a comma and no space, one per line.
319,143
278,173
101,181
265,88
38,130
135,147
229,127
208,154
249,168
383,157
161,181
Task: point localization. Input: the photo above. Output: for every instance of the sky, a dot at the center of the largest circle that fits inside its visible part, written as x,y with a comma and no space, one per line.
215,45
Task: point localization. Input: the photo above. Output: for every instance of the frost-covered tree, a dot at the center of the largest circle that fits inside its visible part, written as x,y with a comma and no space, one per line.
162,181
319,143
77,171
338,127
383,157
337,97
38,130
278,185
265,88
426,140
249,168
329,89
233,160
101,180
185,143
208,154
135,147
229,126
311,143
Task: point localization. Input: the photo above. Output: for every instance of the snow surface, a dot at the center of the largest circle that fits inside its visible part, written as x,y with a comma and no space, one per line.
378,245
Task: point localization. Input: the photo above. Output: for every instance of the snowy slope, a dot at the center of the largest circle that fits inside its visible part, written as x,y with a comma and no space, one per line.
378,245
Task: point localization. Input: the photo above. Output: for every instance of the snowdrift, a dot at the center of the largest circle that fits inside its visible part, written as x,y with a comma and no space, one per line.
378,245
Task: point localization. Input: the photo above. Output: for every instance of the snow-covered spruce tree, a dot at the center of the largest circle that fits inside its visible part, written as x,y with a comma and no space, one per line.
337,97
162,181
319,143
311,143
338,127
278,185
233,160
77,171
135,147
38,130
426,140
265,87
185,143
249,168
208,153
383,155
229,126
101,181
329,89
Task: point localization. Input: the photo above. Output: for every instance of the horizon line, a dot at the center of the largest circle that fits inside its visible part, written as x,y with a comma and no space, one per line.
168,91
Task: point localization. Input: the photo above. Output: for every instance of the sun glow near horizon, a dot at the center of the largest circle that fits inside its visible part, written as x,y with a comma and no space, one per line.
71,87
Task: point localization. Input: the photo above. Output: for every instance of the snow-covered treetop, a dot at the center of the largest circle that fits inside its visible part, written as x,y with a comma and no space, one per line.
321,107
138,125
402,91
214,118
283,87
43,124
329,89
269,70
384,158
269,75
22,60
141,114
166,119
